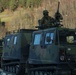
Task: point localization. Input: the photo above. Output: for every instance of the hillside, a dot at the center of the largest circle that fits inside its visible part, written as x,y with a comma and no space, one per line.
28,17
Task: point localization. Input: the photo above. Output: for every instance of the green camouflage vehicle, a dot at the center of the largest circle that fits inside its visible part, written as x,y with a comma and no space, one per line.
50,50
15,50
53,51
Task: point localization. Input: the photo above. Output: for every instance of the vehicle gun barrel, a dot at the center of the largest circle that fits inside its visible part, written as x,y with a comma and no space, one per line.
58,16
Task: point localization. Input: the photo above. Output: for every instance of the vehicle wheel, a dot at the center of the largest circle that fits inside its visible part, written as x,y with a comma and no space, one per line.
20,70
13,69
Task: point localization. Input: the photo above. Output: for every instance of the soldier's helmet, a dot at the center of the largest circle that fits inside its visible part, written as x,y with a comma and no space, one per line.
45,12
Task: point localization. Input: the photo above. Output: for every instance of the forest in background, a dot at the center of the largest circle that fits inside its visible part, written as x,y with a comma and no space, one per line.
18,14
14,4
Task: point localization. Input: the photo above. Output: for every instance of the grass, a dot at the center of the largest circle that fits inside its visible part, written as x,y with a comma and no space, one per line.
6,19
35,14
6,16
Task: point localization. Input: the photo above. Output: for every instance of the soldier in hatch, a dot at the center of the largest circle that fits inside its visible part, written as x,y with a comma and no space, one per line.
46,19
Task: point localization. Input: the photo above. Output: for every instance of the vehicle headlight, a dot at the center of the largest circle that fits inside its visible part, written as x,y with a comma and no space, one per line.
62,58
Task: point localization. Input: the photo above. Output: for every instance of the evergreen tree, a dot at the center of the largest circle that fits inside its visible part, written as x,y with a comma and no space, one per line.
22,3
5,3
13,4
33,3
1,7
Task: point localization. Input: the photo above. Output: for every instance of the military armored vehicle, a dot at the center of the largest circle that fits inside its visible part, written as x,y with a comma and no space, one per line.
51,50
16,49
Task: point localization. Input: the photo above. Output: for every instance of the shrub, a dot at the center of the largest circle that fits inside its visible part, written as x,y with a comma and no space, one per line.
22,3
13,4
